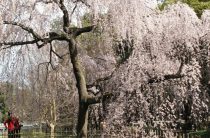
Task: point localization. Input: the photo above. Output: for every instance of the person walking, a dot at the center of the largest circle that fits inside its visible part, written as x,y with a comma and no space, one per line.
17,127
10,125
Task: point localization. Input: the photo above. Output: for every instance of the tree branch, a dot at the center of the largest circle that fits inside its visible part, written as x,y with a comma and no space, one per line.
79,31
51,36
28,29
73,11
66,21
96,83
51,51
169,76
82,1
18,43
97,99
45,2
57,54
164,78
37,38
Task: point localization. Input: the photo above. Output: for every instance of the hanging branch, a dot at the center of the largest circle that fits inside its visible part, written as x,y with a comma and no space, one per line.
178,75
49,63
51,49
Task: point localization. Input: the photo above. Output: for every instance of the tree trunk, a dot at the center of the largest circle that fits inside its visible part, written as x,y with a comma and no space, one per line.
82,120
52,130
53,116
82,91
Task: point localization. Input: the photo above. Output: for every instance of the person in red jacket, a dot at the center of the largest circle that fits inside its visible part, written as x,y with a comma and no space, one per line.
17,126
10,125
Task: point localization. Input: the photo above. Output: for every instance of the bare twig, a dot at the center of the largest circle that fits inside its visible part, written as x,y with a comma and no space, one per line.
28,29
73,11
57,54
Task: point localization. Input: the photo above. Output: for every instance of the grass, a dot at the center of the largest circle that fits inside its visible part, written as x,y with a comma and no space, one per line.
201,133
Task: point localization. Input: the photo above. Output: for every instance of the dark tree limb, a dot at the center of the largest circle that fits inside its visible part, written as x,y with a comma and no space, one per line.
28,29
38,40
45,2
18,43
169,76
66,21
180,67
73,11
165,78
51,37
82,1
57,54
96,82
48,63
79,31
53,51
97,99
64,55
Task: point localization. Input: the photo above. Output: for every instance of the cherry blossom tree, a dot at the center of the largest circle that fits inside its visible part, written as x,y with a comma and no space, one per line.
161,59
162,78
42,38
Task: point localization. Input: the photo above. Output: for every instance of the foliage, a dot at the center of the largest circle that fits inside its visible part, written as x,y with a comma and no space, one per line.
93,43
201,133
197,5
166,3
